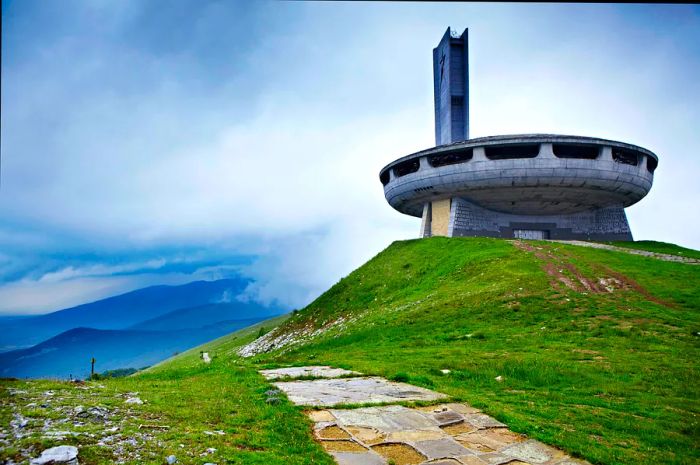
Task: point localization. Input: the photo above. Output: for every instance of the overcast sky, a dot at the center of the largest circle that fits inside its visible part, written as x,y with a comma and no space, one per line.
148,142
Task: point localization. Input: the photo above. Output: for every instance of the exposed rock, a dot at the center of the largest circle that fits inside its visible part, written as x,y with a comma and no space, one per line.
133,400
56,455
205,357
171,459
329,392
299,372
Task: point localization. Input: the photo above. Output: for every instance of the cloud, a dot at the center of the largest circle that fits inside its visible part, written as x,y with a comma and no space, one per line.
142,143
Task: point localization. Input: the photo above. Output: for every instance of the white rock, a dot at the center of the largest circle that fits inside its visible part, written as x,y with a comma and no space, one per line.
134,400
55,455
445,371
499,378
205,357
171,459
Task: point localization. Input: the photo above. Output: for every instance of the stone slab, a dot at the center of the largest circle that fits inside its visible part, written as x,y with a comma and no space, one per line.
388,419
361,458
365,390
441,448
533,452
317,371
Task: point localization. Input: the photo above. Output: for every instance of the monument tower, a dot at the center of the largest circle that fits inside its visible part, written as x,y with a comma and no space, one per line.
531,186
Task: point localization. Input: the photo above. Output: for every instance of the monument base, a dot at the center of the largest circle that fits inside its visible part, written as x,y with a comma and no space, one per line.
457,217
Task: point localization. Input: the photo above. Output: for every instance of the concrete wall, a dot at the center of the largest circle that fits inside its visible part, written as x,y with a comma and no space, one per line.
451,88
605,224
440,221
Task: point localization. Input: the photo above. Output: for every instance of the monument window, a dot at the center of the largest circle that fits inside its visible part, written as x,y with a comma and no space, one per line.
512,151
384,177
652,164
452,158
586,152
626,157
406,167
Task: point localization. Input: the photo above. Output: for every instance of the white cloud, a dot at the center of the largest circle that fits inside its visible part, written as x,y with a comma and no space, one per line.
274,147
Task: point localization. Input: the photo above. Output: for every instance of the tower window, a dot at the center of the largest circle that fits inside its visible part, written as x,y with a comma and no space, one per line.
512,151
626,157
452,158
586,152
406,167
384,177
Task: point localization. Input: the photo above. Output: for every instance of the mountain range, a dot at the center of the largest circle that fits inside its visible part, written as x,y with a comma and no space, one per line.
131,330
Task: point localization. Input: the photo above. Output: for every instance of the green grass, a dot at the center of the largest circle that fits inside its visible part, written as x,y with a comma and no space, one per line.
609,377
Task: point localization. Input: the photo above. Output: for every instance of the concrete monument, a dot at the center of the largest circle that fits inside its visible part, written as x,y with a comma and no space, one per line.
532,186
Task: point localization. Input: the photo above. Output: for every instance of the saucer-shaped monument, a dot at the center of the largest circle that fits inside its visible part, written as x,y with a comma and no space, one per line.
529,186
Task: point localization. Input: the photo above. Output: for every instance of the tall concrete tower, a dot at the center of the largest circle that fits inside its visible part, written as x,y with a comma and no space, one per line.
451,82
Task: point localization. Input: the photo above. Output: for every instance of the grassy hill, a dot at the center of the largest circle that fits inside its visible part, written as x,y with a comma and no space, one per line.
596,352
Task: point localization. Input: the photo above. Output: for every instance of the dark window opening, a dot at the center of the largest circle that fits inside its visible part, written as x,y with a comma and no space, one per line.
626,157
384,177
406,167
451,158
652,164
587,152
509,152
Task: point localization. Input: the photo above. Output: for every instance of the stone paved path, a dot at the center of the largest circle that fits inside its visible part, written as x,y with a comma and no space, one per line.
644,253
444,434
302,372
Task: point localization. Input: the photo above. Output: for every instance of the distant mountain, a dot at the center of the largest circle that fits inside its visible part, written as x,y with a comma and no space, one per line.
69,353
119,312
204,315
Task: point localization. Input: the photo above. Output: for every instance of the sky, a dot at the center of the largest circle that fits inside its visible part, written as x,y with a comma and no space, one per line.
161,142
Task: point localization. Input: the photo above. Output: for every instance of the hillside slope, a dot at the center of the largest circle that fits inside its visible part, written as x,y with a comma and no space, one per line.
594,351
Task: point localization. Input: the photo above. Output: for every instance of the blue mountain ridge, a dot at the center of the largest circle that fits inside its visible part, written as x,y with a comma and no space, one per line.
118,312
70,353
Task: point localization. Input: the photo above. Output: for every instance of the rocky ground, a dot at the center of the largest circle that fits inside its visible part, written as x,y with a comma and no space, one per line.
103,422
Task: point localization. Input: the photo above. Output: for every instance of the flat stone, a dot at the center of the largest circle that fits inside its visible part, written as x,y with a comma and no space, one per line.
448,417
532,451
320,415
471,460
475,445
481,420
358,458
494,438
461,408
372,390
445,462
415,435
495,458
55,455
441,448
392,418
317,371
367,436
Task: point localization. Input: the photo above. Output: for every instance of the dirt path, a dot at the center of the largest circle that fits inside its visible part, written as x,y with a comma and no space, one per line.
443,434
643,253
